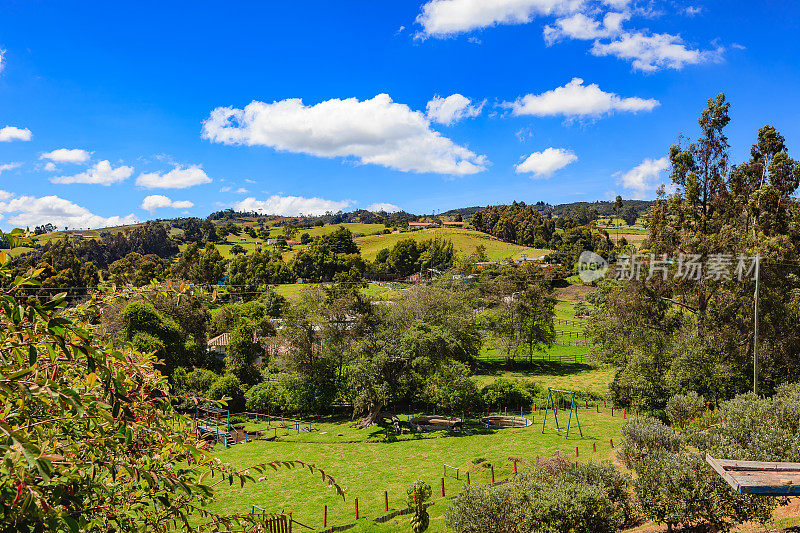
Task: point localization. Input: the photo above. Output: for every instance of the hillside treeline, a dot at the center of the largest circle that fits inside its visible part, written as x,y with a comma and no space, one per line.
676,327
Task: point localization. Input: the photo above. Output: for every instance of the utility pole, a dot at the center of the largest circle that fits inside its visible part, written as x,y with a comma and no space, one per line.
755,326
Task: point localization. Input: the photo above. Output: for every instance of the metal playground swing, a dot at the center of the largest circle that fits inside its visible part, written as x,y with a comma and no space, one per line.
551,404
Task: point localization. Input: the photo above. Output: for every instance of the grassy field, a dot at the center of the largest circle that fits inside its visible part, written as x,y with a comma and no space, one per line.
316,231
465,242
293,291
365,465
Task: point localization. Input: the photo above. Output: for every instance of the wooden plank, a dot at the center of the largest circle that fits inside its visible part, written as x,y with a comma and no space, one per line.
759,477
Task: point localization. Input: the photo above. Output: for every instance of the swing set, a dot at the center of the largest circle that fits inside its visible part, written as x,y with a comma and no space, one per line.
551,404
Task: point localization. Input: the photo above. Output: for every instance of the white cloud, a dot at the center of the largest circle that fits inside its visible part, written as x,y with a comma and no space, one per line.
544,164
649,53
578,100
452,109
644,178
580,26
31,211
9,166
102,173
50,166
691,11
12,133
377,131
290,206
442,18
2,59
382,206
224,189
617,4
177,178
65,155
157,201
242,190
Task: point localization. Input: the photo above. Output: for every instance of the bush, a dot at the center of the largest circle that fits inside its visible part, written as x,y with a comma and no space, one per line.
309,394
199,380
554,497
478,509
512,393
228,386
643,435
264,397
451,387
680,488
682,408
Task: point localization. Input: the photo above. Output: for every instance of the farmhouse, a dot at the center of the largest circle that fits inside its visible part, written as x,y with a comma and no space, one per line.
453,224
422,225
219,346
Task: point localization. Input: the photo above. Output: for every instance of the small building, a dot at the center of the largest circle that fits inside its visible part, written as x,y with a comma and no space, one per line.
219,346
292,243
272,242
453,224
422,225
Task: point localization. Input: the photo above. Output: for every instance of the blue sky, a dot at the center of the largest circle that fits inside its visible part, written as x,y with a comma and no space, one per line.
115,112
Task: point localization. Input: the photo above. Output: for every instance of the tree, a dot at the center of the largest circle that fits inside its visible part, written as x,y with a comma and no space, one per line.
305,238
192,231
630,215
209,231
210,266
147,470
242,352
137,270
237,249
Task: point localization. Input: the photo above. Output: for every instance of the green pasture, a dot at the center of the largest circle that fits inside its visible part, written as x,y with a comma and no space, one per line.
365,463
464,241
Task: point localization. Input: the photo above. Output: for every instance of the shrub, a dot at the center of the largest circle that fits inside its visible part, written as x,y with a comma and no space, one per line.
510,392
682,408
228,386
680,488
643,435
199,380
264,397
309,394
418,493
451,387
554,497
478,509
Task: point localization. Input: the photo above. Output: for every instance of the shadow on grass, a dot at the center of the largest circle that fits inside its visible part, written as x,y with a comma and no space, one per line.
530,368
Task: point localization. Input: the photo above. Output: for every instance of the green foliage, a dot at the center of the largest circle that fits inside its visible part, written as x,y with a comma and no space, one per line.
678,487
418,493
451,387
251,273
151,331
757,429
518,223
264,397
514,393
681,488
682,408
642,435
228,386
137,270
242,352
92,442
554,497
199,380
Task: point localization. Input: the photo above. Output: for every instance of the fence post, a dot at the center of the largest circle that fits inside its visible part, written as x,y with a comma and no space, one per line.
386,500
594,447
467,477
325,517
356,508
576,451
612,443
515,467
492,473
442,487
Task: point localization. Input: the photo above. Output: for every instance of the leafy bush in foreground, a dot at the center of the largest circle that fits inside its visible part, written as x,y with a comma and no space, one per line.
682,408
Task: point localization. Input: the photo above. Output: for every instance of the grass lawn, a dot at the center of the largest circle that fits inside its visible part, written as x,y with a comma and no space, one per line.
316,231
293,291
568,376
365,465
464,241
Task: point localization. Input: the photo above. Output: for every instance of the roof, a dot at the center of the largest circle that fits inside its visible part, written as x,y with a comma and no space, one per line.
219,340
453,223
757,477
292,242
420,223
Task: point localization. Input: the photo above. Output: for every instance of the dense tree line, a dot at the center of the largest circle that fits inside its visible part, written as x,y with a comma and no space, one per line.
675,329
